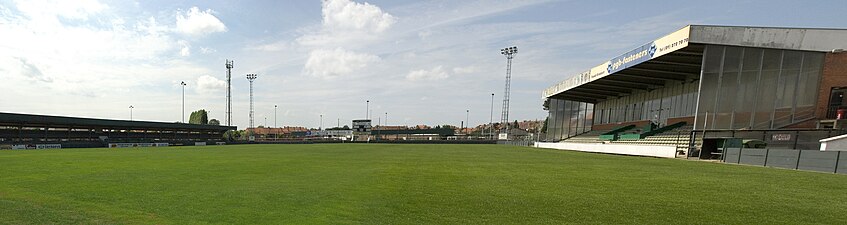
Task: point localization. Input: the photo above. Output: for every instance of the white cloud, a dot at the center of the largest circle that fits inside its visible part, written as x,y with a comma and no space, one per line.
349,15
67,9
272,47
465,70
24,68
198,23
347,23
207,50
89,59
436,73
186,48
328,64
32,71
424,34
210,85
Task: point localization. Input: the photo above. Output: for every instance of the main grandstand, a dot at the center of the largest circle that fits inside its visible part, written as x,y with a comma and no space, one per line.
35,131
780,86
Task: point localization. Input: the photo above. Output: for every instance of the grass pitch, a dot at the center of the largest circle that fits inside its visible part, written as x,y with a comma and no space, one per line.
401,184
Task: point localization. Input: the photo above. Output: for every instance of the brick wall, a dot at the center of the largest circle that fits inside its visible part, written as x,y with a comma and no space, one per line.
834,75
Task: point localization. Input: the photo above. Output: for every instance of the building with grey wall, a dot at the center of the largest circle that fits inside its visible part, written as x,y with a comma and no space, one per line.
713,78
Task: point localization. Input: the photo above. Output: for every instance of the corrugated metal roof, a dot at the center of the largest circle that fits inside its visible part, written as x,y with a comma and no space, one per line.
15,119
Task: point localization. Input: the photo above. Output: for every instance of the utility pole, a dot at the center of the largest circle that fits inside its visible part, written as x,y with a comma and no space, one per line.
467,119
183,100
130,112
491,119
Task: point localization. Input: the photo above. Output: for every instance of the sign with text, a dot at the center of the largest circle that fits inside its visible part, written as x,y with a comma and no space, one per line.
362,125
503,136
37,146
136,145
781,137
664,45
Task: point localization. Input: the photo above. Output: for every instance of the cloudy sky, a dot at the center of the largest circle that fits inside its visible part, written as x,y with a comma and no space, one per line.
422,62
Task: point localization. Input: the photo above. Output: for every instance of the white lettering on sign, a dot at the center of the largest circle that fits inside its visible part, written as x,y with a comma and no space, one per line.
781,137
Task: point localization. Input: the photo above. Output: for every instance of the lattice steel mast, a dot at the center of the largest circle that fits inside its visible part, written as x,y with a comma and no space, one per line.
510,53
251,77
229,92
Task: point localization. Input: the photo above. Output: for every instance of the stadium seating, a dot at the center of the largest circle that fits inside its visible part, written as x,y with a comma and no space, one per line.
677,136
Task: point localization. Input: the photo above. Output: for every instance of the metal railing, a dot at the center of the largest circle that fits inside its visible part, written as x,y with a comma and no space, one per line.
832,111
778,139
810,160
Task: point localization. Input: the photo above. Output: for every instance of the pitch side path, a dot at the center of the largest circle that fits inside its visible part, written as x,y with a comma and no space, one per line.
401,184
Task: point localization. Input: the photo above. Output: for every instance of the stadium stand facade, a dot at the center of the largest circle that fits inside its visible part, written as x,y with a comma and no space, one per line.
781,86
32,130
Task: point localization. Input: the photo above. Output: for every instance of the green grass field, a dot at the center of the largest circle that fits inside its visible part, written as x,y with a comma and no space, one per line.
401,184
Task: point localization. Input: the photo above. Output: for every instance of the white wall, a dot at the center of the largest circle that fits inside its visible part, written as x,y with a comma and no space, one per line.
837,143
620,149
806,39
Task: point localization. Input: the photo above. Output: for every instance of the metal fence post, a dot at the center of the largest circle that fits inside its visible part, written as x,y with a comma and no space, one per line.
837,159
796,138
700,153
740,150
799,153
767,151
691,138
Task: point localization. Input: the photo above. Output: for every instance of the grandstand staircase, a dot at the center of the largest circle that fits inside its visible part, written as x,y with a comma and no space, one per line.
614,134
592,136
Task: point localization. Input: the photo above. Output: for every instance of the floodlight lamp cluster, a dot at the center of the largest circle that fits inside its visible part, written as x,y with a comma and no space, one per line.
251,76
509,51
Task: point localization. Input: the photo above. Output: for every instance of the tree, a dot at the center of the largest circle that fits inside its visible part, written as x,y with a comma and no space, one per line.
345,127
232,135
199,117
544,127
214,122
516,125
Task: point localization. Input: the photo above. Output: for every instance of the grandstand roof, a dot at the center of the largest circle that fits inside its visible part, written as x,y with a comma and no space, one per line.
678,56
15,119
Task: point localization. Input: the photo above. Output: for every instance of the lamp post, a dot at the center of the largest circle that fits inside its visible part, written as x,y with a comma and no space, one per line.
320,127
130,112
183,100
491,119
467,117
276,132
367,109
